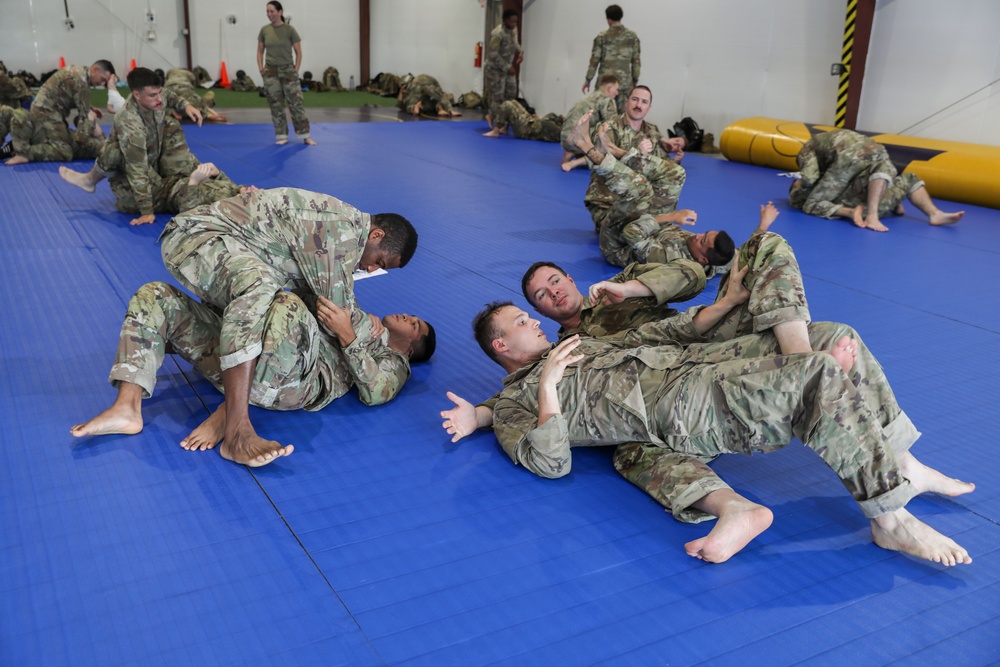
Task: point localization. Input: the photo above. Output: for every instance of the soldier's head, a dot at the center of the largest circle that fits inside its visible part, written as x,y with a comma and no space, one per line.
675,144
411,336
638,104
147,88
711,248
614,13
508,335
101,72
391,243
552,292
510,18
275,12
610,84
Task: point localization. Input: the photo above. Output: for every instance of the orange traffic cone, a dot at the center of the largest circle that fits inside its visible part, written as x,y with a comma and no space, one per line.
62,62
132,66
224,76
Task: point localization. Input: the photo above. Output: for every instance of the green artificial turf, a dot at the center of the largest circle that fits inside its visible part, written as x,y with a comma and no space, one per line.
227,99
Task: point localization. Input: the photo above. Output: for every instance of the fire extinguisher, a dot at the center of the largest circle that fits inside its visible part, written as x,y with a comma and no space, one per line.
479,54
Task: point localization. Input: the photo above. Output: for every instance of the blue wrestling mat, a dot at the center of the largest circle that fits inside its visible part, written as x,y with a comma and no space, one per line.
378,542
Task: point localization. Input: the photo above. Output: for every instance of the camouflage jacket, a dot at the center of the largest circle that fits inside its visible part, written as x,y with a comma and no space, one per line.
596,101
67,89
183,84
675,281
830,163
368,363
138,135
621,134
426,89
314,239
616,50
503,47
602,398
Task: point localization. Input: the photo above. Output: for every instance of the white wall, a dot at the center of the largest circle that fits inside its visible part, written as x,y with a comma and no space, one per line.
714,60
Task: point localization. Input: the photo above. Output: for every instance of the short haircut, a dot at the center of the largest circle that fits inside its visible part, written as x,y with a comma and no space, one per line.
485,329
142,77
606,79
400,236
530,273
507,13
614,13
642,87
722,252
423,348
105,66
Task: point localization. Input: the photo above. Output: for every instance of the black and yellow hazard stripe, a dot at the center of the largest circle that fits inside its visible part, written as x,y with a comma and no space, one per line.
845,61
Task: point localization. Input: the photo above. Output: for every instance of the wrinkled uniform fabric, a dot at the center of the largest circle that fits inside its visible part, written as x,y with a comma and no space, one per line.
616,51
298,368
526,126
425,89
596,101
65,91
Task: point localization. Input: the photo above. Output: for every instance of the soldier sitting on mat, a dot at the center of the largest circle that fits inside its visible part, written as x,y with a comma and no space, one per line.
682,406
848,175
602,103
300,367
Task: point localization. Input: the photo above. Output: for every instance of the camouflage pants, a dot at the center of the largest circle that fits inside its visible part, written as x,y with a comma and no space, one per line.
741,405
6,116
41,137
645,185
286,375
283,89
498,86
901,187
512,114
845,182
87,146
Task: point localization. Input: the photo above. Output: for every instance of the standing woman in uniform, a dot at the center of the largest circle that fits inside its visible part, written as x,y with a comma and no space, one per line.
281,74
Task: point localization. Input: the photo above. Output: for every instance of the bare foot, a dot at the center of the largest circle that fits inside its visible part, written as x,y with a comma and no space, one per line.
81,179
202,173
454,114
281,142
209,433
243,445
215,117
929,480
873,223
17,159
495,132
901,531
858,217
741,521
845,351
579,136
308,141
119,418
570,165
937,219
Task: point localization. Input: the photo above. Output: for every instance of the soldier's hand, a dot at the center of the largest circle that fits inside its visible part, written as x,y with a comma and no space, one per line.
377,326
193,113
461,420
768,214
607,292
736,291
586,87
97,112
144,219
645,146
337,320
559,358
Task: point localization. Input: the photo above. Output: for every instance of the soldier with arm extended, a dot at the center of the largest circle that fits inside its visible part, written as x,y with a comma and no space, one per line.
615,51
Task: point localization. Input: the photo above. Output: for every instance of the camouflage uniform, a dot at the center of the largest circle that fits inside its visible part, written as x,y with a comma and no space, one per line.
64,91
616,50
25,135
298,368
331,79
243,84
281,80
145,150
525,126
182,83
385,84
238,253
596,101
695,403
424,89
498,84
13,91
836,169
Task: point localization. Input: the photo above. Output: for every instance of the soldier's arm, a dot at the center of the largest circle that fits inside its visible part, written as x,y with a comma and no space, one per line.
82,95
132,140
379,372
172,100
466,418
636,62
596,53
676,280
495,59
544,449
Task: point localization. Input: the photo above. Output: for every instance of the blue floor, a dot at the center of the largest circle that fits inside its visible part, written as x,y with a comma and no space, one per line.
380,543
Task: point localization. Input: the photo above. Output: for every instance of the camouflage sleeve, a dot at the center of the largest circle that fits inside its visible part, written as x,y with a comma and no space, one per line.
677,280
82,94
677,329
379,372
490,403
544,450
132,141
172,100
596,53
329,273
495,57
605,110
636,64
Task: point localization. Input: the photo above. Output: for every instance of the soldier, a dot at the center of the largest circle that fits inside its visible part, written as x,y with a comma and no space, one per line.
182,83
243,83
698,402
283,47
500,73
512,115
601,103
238,253
331,79
87,139
13,91
300,367
615,51
849,175
64,91
146,155
423,92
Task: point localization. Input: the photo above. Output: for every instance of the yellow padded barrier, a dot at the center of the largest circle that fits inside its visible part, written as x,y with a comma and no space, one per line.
952,170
